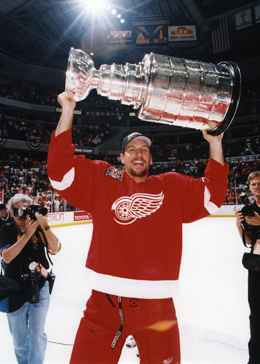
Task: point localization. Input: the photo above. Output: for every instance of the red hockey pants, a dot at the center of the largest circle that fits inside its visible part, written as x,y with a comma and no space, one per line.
108,320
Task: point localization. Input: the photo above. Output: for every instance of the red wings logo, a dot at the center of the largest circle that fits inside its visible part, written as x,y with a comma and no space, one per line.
128,209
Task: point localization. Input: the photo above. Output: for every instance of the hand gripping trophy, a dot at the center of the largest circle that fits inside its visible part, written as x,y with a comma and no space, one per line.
168,90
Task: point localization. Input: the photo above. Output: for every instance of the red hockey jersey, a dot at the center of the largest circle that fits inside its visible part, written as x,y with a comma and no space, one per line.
136,243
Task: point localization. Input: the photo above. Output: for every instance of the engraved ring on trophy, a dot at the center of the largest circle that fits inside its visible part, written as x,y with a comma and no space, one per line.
168,90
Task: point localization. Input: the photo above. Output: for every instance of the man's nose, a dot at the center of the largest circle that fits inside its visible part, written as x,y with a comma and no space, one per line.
139,152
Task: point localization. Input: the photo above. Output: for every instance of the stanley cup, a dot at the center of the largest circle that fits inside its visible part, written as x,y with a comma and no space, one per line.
168,90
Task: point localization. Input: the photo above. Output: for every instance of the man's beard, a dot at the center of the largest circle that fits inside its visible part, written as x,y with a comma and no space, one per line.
138,174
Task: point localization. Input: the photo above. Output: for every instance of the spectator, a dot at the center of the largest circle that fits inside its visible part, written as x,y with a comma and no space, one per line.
5,216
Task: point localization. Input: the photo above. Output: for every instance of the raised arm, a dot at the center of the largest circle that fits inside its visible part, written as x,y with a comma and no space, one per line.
68,104
215,146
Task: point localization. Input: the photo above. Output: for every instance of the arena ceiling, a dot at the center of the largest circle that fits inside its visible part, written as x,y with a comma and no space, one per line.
41,32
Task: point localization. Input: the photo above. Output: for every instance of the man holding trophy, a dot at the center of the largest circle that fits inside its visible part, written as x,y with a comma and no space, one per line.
135,253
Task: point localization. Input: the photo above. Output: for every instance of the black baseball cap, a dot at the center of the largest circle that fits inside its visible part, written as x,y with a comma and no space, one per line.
136,136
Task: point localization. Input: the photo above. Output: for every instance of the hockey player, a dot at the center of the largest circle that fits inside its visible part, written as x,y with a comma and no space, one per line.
135,253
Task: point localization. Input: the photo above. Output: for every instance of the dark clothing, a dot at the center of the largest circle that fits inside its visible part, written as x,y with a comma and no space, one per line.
7,220
254,303
18,268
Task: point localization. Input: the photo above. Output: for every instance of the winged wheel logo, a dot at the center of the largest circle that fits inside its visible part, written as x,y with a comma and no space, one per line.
127,209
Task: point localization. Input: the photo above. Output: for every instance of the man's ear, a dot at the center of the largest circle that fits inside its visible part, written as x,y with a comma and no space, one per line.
122,157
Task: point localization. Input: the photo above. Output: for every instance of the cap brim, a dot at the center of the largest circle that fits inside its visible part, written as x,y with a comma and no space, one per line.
142,137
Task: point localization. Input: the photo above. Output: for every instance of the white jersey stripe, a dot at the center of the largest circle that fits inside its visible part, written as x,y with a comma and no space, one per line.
66,182
125,287
209,206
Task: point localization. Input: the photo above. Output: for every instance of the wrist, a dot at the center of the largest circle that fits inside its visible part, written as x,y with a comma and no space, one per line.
47,227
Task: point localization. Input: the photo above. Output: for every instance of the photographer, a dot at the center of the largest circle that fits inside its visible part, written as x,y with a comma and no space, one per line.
249,230
23,245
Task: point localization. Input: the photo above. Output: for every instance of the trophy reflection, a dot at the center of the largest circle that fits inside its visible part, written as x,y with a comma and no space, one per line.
168,90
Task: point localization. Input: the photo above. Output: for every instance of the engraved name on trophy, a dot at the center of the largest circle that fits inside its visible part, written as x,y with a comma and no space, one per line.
168,90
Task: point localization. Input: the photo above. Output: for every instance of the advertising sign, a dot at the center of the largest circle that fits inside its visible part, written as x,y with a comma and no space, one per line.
151,34
243,18
120,37
183,33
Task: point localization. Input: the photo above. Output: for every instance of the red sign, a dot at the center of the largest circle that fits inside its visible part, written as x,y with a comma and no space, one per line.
82,216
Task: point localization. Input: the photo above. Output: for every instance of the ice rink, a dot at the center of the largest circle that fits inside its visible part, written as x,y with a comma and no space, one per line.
212,306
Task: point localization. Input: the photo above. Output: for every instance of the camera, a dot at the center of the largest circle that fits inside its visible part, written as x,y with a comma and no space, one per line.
30,210
34,295
31,281
247,210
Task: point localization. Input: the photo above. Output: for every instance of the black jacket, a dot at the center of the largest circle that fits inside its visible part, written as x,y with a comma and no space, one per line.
18,268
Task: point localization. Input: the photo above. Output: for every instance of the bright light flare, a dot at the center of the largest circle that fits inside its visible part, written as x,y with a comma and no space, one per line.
163,325
94,5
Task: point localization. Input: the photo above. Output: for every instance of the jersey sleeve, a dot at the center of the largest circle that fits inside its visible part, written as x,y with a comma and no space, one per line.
204,196
74,177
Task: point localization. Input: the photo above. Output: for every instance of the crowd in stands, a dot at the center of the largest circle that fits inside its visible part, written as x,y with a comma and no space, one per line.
243,157
30,92
29,176
40,131
18,128
92,136
250,87
21,125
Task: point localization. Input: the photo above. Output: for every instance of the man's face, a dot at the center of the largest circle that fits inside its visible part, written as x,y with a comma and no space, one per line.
255,186
21,221
3,214
137,158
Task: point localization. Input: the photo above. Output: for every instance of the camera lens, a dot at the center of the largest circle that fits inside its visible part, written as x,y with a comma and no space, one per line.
19,212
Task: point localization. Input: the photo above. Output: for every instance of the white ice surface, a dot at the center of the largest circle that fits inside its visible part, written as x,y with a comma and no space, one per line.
212,307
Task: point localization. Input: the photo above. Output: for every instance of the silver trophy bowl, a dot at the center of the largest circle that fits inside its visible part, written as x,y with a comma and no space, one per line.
168,90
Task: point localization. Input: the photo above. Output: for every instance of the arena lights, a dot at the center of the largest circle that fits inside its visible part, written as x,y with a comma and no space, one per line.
95,6
115,13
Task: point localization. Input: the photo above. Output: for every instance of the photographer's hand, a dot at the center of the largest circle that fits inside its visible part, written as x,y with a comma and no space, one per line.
239,218
253,220
53,242
248,235
42,220
30,227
